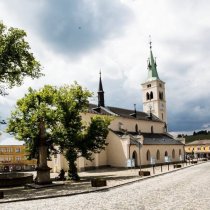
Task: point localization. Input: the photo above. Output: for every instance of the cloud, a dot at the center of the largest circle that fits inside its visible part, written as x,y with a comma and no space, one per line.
75,39
74,27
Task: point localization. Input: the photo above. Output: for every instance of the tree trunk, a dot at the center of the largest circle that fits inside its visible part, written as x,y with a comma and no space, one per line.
72,172
71,156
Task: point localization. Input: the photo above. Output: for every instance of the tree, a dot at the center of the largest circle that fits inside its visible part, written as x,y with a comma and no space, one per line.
16,60
25,119
60,109
75,138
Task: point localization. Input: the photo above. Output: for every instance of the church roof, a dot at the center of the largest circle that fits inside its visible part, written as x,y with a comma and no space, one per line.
127,113
152,138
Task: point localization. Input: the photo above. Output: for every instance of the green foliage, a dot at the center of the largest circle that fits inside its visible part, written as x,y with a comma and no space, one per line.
24,120
16,60
60,108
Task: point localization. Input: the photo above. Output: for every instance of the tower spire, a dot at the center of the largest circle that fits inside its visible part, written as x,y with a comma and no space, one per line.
152,66
100,92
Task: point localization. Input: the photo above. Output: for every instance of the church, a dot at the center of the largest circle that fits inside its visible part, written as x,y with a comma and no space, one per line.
135,138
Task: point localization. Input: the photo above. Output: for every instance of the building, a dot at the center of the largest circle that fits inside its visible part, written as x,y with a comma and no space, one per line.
14,158
199,148
135,138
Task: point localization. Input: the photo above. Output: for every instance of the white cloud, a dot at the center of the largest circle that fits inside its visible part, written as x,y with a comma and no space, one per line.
118,36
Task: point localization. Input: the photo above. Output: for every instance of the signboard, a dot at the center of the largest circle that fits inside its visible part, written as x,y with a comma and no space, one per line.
152,161
130,163
167,159
180,157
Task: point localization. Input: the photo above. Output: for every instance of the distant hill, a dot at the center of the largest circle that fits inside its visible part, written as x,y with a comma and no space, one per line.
200,135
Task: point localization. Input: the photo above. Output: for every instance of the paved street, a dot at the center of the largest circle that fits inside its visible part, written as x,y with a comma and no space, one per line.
183,189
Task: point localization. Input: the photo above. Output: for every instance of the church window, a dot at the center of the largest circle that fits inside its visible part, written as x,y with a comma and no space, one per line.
158,155
166,153
148,155
147,96
136,128
173,154
161,95
151,95
152,129
149,85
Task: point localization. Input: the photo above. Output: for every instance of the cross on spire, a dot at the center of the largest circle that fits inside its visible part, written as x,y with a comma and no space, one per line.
150,42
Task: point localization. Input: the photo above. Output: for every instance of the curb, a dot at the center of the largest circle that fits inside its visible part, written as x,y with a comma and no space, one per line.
104,189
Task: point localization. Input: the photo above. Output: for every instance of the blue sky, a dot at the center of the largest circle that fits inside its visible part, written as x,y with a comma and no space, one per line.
74,39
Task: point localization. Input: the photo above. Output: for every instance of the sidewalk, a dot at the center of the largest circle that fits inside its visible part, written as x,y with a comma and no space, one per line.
115,177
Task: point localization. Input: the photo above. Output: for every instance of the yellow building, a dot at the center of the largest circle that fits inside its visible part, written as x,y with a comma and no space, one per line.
135,138
14,158
199,148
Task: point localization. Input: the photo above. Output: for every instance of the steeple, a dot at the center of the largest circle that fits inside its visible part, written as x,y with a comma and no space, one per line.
100,93
152,66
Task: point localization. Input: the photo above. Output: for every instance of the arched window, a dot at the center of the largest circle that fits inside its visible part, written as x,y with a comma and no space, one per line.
152,130
180,152
147,96
148,155
158,155
166,153
151,95
161,95
173,153
136,128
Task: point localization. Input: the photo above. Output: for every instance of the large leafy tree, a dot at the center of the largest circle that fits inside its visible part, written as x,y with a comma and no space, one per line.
60,108
16,60
75,138
25,119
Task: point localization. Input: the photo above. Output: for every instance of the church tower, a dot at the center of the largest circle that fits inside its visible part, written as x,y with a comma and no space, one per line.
100,93
154,100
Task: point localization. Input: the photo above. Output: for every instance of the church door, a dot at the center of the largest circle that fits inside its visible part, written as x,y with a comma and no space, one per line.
134,156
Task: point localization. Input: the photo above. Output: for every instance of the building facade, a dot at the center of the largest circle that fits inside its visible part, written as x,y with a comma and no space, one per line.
135,138
14,158
198,149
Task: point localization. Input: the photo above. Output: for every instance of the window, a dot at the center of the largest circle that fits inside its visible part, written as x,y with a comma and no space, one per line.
161,95
17,150
158,155
152,130
147,96
151,95
180,152
136,128
173,154
166,153
148,155
149,85
160,84
18,158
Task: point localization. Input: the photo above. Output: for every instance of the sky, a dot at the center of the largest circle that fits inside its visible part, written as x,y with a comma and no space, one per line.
75,39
